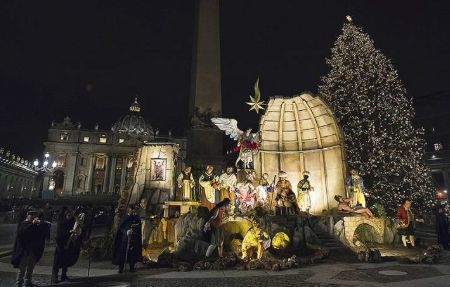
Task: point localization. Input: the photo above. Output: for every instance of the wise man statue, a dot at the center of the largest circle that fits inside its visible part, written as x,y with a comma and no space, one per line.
227,184
210,188
355,184
285,199
186,184
304,188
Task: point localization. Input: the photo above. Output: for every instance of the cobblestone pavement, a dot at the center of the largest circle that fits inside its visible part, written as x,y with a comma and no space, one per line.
7,233
410,272
140,281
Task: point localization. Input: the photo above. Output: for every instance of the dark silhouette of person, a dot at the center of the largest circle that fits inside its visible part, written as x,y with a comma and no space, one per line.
128,241
442,228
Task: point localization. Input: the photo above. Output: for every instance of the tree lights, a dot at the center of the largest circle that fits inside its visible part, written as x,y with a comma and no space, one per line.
371,106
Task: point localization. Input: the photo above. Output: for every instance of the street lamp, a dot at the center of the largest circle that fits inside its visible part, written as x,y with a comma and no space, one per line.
46,172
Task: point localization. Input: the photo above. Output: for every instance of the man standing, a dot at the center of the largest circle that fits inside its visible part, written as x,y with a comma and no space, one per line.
185,185
209,183
23,256
304,188
356,185
214,223
407,222
227,183
442,228
63,256
128,242
41,231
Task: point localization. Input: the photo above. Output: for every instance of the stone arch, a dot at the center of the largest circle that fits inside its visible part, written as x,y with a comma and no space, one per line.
59,178
235,229
351,223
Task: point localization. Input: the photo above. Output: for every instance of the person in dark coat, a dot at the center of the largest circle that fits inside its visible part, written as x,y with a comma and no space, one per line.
110,218
442,229
88,221
128,241
23,256
48,217
22,214
41,231
65,256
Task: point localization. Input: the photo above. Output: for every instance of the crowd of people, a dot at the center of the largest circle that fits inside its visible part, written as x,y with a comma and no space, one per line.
73,227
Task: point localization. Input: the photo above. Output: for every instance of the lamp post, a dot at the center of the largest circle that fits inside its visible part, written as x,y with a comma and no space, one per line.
47,182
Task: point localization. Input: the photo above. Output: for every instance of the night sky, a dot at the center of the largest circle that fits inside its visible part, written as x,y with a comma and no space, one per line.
89,59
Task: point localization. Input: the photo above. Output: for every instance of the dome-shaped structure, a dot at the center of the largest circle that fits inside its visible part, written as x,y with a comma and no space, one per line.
133,123
301,134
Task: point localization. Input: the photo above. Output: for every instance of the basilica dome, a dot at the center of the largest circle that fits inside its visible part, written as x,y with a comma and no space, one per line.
301,134
133,123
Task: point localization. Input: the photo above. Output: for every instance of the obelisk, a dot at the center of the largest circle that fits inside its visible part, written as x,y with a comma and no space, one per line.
204,141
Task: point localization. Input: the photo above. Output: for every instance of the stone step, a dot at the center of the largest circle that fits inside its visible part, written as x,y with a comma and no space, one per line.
338,248
429,234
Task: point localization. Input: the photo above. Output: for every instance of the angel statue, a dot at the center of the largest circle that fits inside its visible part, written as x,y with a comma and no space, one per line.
248,142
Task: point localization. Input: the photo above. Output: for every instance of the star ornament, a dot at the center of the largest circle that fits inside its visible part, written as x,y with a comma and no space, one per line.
349,18
255,105
255,102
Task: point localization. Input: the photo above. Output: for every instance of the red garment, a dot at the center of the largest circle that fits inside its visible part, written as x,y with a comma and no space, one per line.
402,214
247,144
218,219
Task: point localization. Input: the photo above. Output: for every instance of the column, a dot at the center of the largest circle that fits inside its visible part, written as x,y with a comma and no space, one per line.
70,171
106,175
446,180
123,175
112,174
90,178
204,145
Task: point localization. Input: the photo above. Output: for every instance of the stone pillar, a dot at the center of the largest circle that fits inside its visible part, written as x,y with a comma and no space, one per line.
91,166
112,173
47,177
123,175
446,180
106,175
70,168
204,143
205,75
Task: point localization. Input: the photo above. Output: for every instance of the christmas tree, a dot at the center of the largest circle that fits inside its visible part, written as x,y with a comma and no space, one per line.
370,104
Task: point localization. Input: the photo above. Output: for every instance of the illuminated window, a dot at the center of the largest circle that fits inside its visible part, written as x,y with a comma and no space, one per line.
86,139
100,163
64,136
103,139
61,160
438,146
